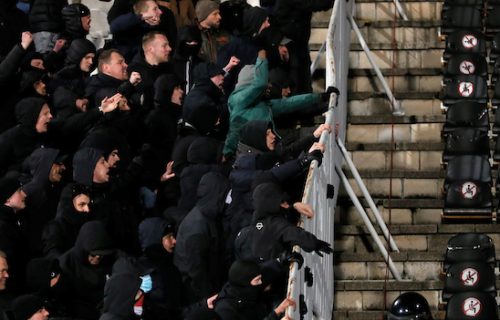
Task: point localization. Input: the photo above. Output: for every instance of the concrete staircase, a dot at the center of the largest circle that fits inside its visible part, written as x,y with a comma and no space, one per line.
399,159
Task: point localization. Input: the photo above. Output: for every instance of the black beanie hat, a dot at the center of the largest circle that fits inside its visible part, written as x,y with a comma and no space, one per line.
241,273
75,9
78,49
24,307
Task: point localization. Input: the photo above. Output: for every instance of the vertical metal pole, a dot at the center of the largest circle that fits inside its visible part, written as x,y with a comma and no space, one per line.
368,197
368,223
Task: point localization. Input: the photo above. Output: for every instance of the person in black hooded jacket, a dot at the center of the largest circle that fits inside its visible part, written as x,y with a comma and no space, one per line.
157,238
121,294
17,143
46,167
272,233
76,19
200,240
73,210
86,267
186,53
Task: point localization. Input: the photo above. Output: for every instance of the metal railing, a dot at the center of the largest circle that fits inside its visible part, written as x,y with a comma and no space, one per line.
318,297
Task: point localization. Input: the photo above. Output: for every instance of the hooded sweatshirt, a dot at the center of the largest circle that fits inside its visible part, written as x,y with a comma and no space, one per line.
199,239
19,142
119,297
85,280
84,163
272,232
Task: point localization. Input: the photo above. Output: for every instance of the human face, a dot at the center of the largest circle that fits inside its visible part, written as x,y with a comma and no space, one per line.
270,139
113,158
44,118
285,92
40,87
4,273
160,48
153,13
264,25
218,80
37,63
86,22
212,20
54,280
86,62
55,174
94,260
17,200
169,242
116,68
41,314
177,95
101,171
257,281
81,203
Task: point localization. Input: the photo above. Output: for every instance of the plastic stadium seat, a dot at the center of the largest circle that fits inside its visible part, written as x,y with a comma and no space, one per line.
492,23
470,247
466,114
468,200
495,73
461,17
472,305
496,154
469,276
465,88
495,99
465,41
475,168
466,64
495,48
466,141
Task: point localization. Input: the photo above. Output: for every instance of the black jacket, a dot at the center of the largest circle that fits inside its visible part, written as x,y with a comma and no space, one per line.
45,15
272,233
199,240
119,297
86,282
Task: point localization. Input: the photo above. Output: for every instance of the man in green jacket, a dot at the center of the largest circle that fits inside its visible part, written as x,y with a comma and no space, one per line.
247,101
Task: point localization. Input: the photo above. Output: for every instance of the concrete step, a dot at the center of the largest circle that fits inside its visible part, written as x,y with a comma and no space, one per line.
416,33
385,133
373,105
389,58
376,164
385,11
398,79
409,238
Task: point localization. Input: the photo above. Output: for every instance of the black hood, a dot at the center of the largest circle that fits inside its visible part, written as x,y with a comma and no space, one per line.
8,185
206,70
66,210
152,230
188,34
93,238
26,61
71,15
164,87
253,18
105,140
28,79
202,116
267,198
205,150
253,134
39,272
28,111
39,163
211,194
78,49
119,294
84,162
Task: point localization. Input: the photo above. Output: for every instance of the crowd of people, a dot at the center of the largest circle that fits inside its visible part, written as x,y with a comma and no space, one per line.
158,177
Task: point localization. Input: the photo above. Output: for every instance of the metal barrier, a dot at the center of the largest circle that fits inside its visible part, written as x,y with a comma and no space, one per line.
318,295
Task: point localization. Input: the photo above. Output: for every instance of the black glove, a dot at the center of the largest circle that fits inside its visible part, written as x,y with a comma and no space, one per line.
306,159
288,257
326,96
322,247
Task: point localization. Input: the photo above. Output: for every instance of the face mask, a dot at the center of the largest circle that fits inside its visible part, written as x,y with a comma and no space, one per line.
138,309
147,283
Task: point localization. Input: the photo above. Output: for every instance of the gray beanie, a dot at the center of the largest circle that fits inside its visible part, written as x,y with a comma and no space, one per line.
246,76
204,8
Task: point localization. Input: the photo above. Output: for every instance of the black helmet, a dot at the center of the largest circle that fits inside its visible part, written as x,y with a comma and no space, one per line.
410,306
